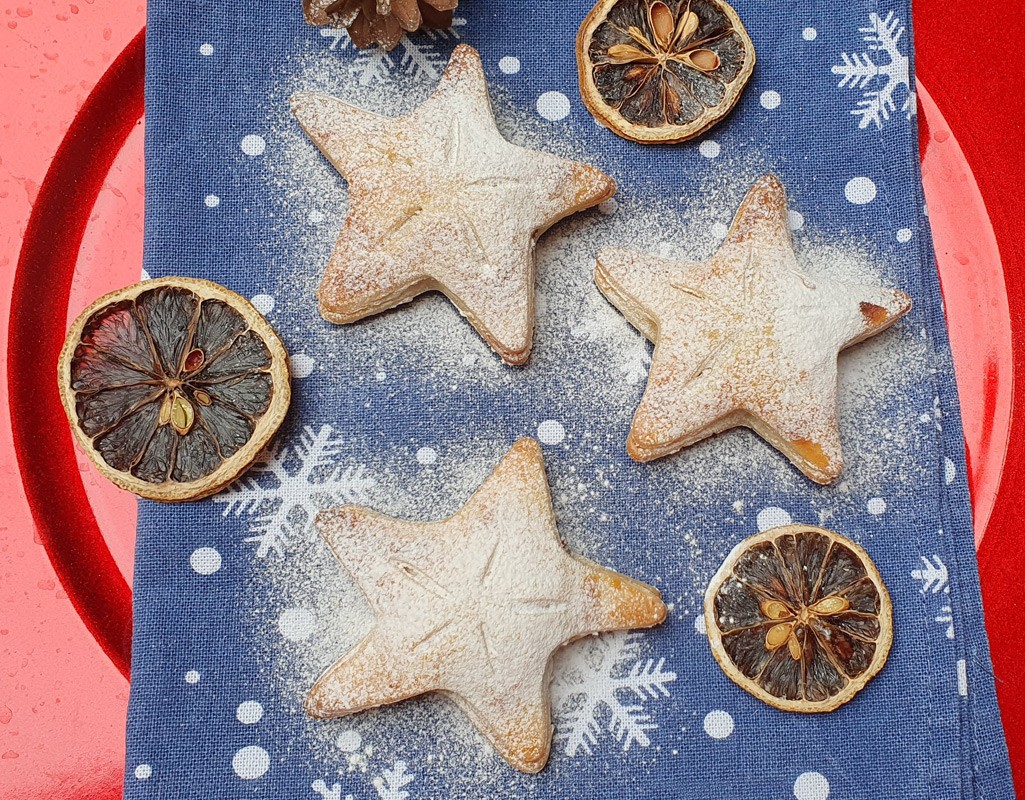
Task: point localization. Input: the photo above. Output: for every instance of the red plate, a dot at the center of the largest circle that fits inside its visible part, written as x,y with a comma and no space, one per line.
62,703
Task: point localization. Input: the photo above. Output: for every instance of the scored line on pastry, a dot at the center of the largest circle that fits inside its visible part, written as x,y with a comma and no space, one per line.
440,201
745,338
474,607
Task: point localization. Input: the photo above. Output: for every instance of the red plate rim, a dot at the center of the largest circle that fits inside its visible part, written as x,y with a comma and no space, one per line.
42,287
43,442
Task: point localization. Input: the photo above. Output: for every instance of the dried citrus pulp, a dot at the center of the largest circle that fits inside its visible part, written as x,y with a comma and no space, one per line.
173,386
656,71
799,617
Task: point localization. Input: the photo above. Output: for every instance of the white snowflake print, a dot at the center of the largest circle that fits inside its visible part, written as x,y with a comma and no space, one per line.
935,579
933,415
633,364
880,73
391,783
285,489
329,793
604,684
933,575
422,57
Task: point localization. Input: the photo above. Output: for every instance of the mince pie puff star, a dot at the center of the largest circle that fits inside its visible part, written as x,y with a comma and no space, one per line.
439,201
474,607
744,338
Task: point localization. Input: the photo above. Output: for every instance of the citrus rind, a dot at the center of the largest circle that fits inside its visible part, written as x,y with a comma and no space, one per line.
265,426
883,641
612,119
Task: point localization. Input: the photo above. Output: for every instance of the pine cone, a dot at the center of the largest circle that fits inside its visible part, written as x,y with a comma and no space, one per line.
379,21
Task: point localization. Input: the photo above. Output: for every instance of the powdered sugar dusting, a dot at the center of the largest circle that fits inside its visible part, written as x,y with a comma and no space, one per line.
442,201
744,337
587,370
474,606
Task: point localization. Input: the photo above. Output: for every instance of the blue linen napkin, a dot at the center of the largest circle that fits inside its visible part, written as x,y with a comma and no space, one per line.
238,605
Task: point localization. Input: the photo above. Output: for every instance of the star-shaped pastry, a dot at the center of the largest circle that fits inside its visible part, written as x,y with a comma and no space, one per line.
474,607
745,338
438,200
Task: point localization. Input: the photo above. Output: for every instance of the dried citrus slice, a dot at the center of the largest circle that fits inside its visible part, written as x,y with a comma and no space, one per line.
173,386
662,70
799,617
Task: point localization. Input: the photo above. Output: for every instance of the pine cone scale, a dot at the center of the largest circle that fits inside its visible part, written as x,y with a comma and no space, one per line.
407,12
435,18
380,22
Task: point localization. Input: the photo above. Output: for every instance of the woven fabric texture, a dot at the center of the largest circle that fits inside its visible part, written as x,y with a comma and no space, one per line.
239,606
